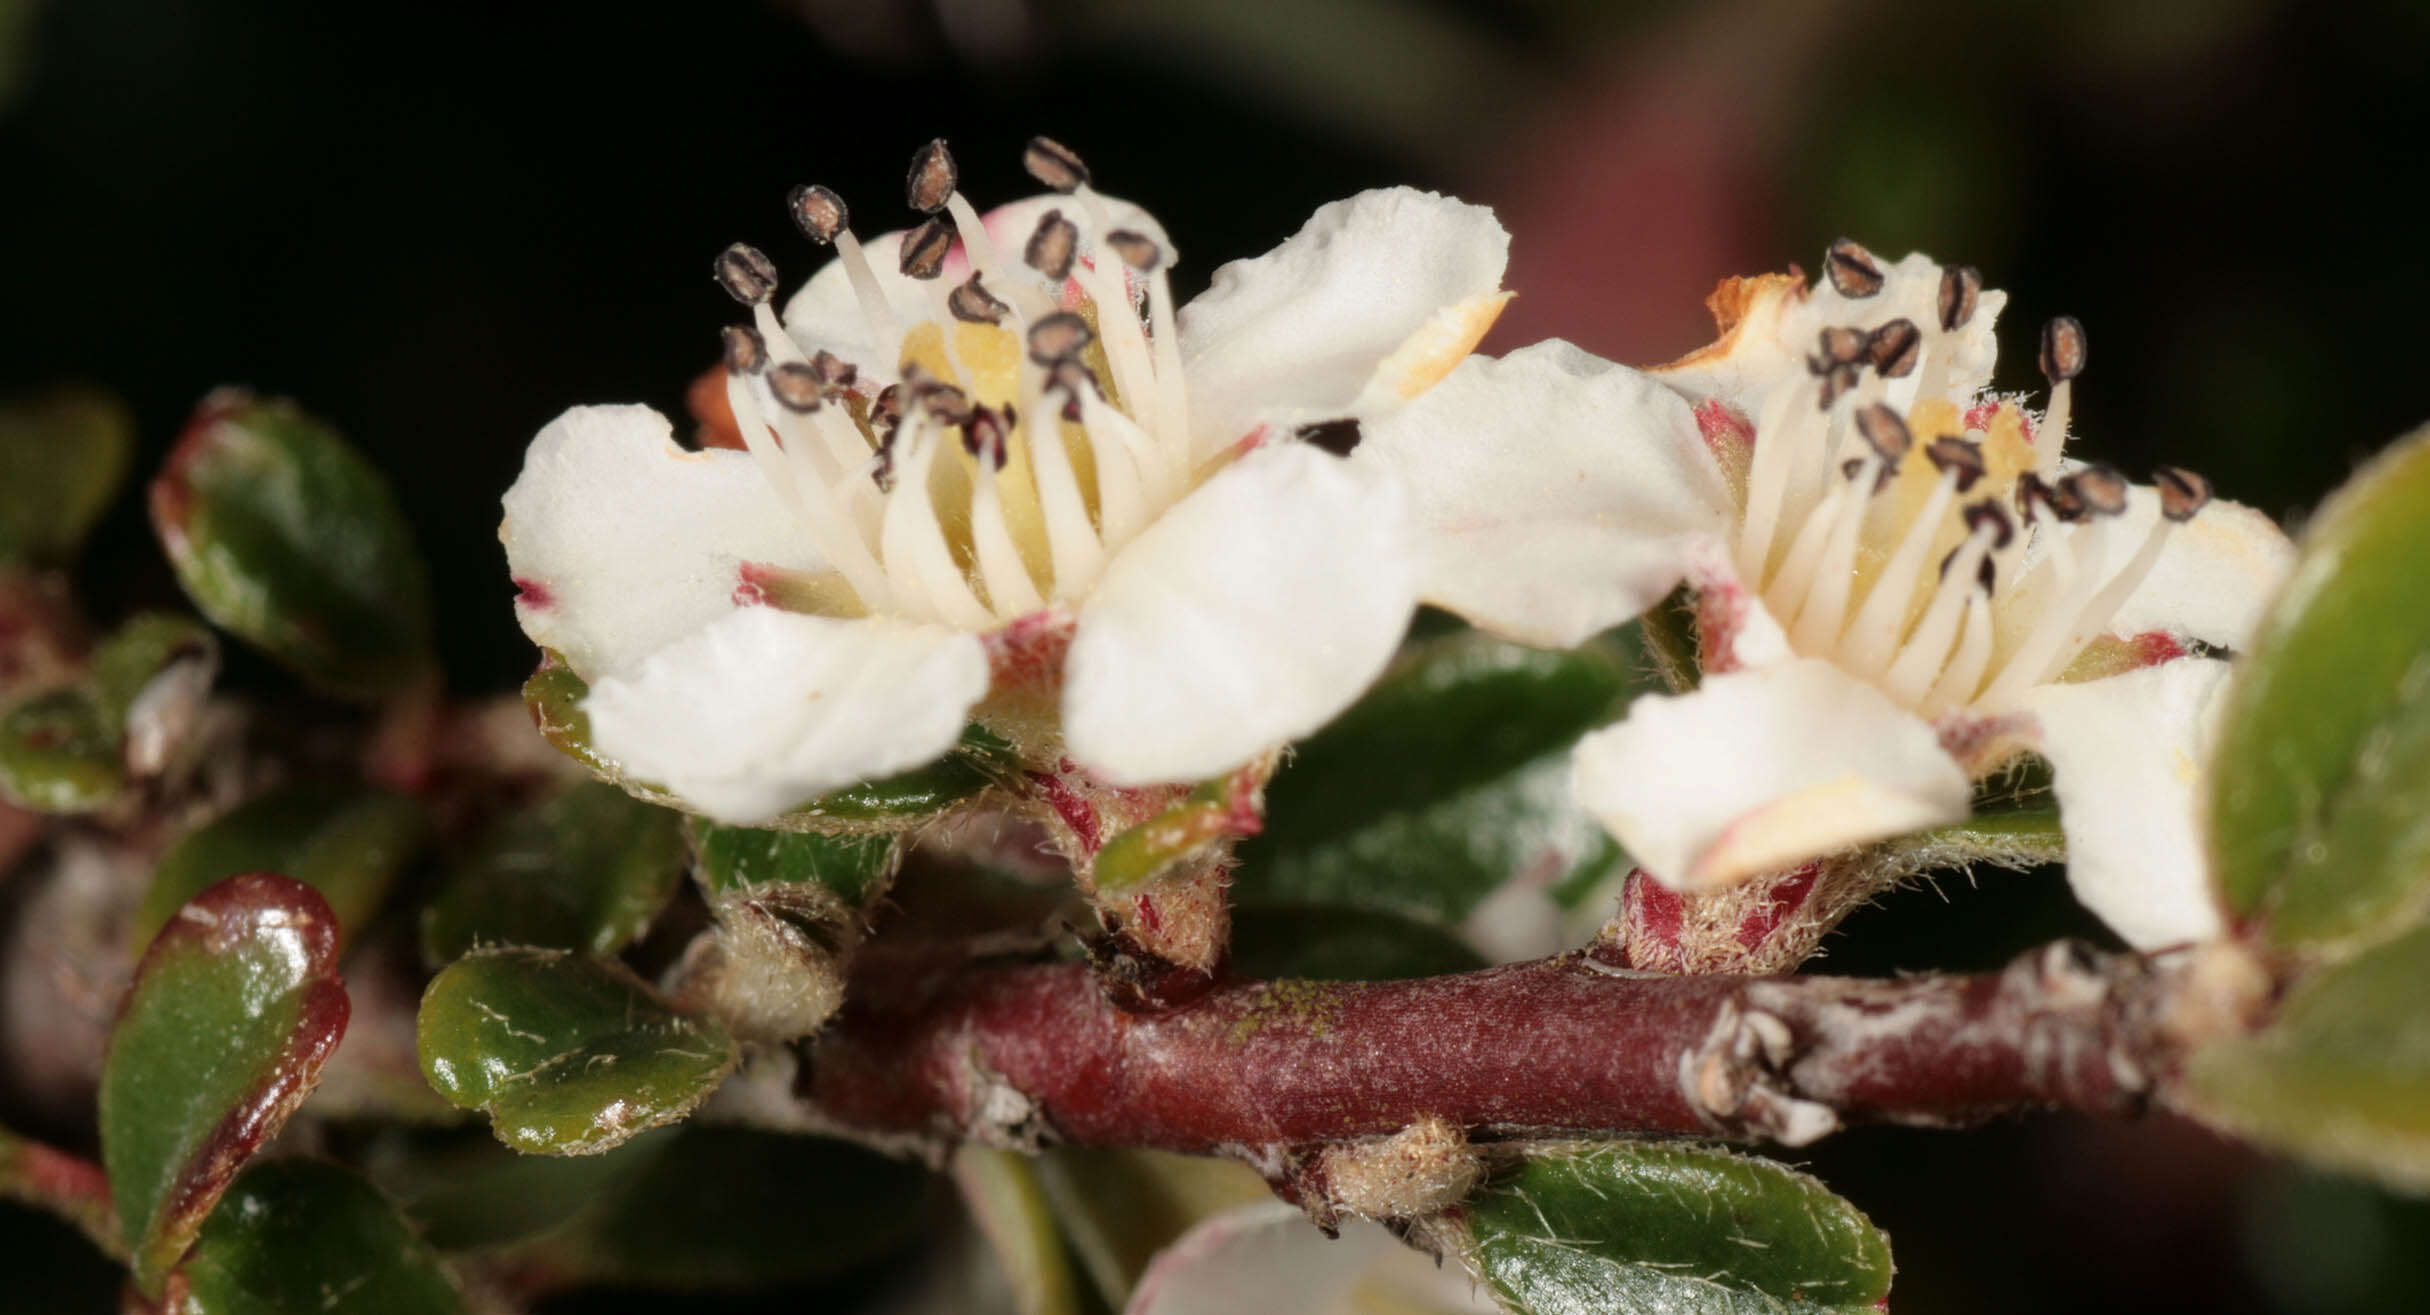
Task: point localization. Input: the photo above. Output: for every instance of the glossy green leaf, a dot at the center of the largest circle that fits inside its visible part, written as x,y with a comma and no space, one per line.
729,1209
567,1055
587,870
2320,806
555,693
299,1237
1629,1227
1448,779
1344,945
854,868
348,842
2342,1075
233,1010
63,455
59,753
282,534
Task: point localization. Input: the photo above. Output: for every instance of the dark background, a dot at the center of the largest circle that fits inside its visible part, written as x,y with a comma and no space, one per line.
440,224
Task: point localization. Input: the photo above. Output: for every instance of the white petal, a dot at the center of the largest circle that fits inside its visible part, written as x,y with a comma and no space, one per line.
826,314
1756,770
621,541
1265,1257
764,709
2213,578
1248,615
2126,756
1299,332
1554,493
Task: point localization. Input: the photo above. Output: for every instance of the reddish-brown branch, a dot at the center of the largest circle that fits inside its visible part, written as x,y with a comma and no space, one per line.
1031,1055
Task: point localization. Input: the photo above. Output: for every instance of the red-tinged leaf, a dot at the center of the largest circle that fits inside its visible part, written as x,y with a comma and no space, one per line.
233,1010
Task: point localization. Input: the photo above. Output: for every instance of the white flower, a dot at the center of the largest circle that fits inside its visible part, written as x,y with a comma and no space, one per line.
1910,587
905,541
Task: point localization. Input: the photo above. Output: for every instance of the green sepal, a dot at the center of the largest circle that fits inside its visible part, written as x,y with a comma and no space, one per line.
2320,793
349,842
2342,1076
234,1008
1632,1226
63,456
302,1237
855,869
587,870
284,536
567,1055
1213,812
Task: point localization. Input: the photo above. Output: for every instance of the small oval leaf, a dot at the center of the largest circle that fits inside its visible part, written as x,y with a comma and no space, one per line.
2320,801
58,753
233,1010
347,842
588,870
567,1055
1638,1226
283,535
299,1237
1447,780
2342,1075
63,455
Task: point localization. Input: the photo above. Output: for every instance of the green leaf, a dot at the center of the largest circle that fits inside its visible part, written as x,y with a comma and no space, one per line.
282,534
298,1237
567,1055
1343,945
58,753
2320,804
587,870
555,693
729,1209
1001,1191
233,1010
1216,810
1627,1227
63,455
854,868
469,1193
348,842
2342,1075
70,749
1447,780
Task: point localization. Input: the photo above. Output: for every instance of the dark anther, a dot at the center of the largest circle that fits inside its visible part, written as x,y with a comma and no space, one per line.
1053,246
835,374
796,385
1058,337
1960,286
1137,250
1884,432
1339,437
974,304
1052,163
2062,349
747,276
1894,347
1852,269
887,410
1837,380
932,179
924,248
2101,490
1841,345
2034,497
818,213
1881,478
946,404
984,435
2182,492
746,351
1979,514
1957,454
